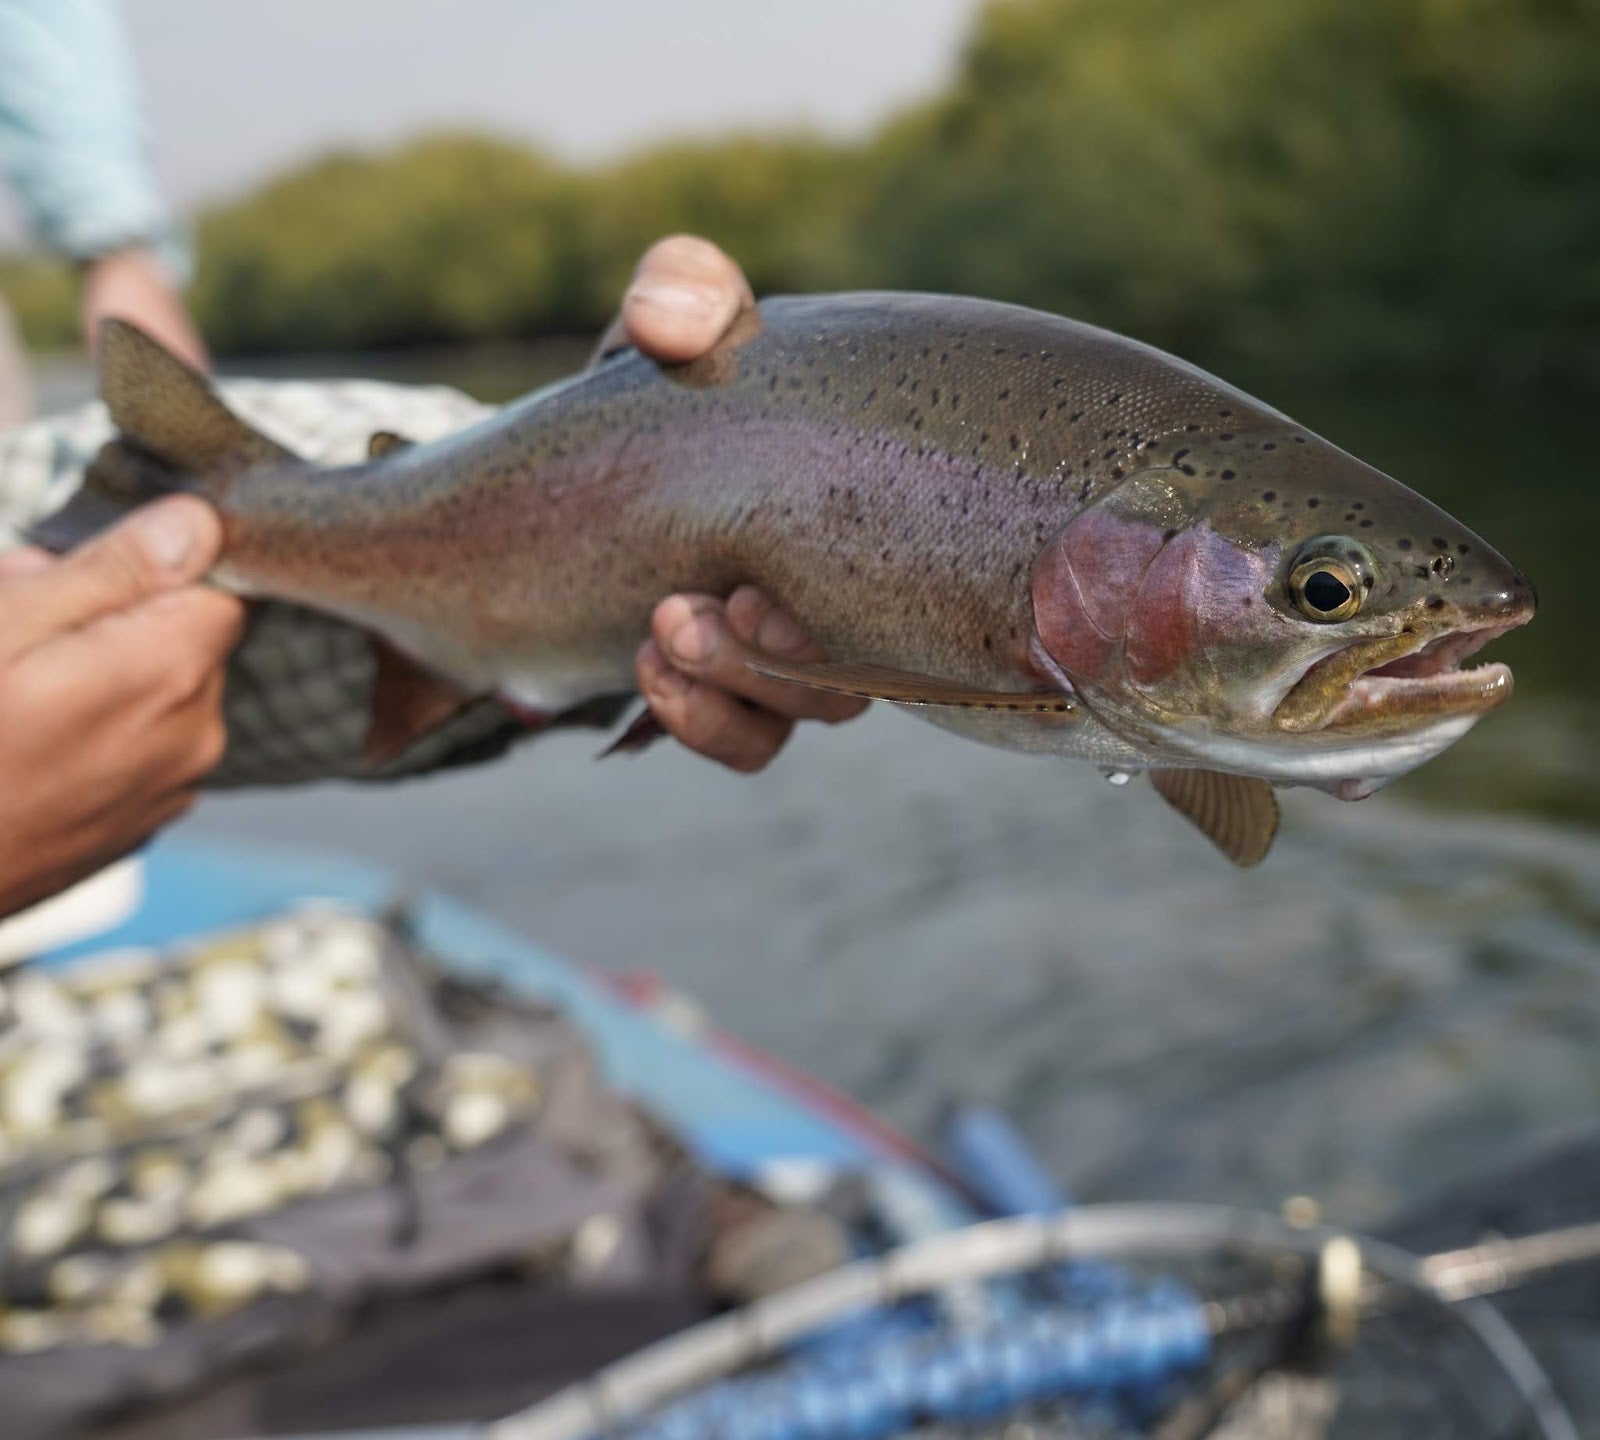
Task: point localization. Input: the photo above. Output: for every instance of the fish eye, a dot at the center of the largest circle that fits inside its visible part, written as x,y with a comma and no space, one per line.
1330,580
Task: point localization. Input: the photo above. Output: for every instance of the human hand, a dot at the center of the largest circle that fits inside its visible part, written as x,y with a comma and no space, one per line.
111,664
692,671
131,285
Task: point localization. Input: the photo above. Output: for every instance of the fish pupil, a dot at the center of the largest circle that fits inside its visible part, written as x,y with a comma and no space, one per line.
1325,591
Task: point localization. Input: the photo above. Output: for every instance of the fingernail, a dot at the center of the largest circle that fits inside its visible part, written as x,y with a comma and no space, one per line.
695,641
777,634
166,532
688,301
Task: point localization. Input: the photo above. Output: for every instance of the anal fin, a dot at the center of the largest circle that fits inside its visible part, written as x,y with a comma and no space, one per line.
407,703
903,687
1237,813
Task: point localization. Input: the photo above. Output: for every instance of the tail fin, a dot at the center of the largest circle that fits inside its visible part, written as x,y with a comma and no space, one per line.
173,433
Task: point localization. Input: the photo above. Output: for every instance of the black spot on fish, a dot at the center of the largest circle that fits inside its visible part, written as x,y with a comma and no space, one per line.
1365,525
1298,439
1004,394
1187,469
1312,503
1106,455
1245,603
1015,443
1269,494
1270,445
1435,602
1226,435
1403,543
1117,472
988,644
1350,516
1179,454
1439,544
933,395
1191,428
1358,504
1168,534
1113,397
1224,413
1076,416
1227,474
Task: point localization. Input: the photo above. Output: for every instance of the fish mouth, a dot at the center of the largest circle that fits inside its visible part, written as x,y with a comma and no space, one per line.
1395,684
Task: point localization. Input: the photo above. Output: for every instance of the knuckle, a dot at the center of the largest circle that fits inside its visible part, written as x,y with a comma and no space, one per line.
120,567
210,745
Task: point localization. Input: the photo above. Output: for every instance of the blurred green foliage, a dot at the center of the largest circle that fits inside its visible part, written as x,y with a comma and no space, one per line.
1360,191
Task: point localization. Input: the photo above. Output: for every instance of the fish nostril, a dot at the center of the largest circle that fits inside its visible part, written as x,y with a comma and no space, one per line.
1514,597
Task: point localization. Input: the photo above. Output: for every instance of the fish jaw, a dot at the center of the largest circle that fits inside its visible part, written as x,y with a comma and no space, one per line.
1384,687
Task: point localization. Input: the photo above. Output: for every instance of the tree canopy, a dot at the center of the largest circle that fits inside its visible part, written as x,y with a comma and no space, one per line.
1362,190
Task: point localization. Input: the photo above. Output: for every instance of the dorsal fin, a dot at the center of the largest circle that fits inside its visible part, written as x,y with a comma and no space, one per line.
170,411
1237,813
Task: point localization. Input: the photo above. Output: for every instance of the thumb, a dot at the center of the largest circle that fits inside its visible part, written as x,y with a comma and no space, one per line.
159,547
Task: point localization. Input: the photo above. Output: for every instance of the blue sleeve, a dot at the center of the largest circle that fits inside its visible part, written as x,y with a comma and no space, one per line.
71,133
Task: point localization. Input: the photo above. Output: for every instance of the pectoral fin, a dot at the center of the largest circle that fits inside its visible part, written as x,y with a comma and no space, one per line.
1238,814
902,687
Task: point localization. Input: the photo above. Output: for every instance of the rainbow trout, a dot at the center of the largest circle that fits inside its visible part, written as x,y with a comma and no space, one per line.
1033,532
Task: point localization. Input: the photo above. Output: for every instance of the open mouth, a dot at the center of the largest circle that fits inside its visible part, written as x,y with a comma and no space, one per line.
1367,686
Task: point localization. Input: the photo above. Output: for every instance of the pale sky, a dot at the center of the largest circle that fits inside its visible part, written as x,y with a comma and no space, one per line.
237,90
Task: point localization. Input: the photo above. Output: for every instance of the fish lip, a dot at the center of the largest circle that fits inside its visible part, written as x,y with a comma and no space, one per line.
1425,683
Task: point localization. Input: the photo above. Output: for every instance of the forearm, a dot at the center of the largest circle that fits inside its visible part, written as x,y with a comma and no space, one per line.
71,132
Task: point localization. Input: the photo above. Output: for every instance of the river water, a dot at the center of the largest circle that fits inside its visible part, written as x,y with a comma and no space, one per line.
1404,993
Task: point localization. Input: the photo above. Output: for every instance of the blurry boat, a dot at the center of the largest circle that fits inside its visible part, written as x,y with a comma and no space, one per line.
845,1283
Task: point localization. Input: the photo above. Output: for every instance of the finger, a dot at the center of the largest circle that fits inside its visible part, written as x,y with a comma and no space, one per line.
709,721
695,635
684,296
160,546
24,560
158,654
759,625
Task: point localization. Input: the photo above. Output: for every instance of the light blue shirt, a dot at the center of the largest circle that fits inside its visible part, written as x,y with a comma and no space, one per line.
72,136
